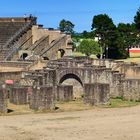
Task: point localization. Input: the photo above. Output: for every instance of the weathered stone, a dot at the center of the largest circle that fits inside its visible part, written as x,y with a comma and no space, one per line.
96,93
131,89
64,93
19,95
3,100
42,98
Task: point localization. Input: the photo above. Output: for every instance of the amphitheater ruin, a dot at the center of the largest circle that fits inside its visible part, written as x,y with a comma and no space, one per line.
35,62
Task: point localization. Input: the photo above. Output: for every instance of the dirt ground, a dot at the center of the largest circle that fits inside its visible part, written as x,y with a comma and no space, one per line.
93,124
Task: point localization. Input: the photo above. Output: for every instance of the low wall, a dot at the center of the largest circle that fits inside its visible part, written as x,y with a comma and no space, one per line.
131,89
3,101
10,75
96,94
64,93
42,98
19,95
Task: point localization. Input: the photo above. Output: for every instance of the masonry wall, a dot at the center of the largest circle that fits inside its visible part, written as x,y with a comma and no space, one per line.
38,32
64,93
42,98
3,100
131,89
96,94
10,75
19,95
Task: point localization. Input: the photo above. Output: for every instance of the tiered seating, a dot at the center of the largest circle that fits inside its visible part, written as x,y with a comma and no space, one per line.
11,30
8,29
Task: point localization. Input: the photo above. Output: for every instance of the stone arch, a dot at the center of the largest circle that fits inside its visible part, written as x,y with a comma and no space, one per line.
70,75
23,56
61,53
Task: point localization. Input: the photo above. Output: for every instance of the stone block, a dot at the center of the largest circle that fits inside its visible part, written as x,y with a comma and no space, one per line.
131,89
3,100
19,95
96,93
64,93
42,98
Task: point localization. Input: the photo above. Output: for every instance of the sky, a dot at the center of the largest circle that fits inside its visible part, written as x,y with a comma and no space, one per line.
79,12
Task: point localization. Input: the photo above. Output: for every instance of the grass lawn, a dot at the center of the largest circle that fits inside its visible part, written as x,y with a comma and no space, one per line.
134,57
75,105
117,103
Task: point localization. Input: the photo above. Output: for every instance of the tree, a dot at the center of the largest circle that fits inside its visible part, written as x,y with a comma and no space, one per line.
128,33
89,47
66,26
104,28
86,34
114,40
137,20
102,22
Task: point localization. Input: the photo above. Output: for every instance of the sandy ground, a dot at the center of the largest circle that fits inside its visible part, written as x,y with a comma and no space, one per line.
95,124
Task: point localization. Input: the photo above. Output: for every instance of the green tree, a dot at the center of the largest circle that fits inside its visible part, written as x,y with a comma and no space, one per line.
128,34
66,26
89,47
114,40
104,28
137,19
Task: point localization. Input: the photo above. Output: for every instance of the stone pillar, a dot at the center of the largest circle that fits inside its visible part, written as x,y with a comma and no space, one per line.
3,101
96,94
42,98
131,89
19,95
64,93
116,85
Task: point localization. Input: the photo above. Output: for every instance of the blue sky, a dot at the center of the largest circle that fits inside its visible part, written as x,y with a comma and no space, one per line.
80,12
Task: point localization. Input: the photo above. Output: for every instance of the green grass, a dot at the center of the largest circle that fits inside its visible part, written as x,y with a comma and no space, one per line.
77,54
117,103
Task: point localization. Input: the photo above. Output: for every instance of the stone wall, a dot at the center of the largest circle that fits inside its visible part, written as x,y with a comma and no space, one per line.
38,32
19,95
42,98
3,100
10,75
131,89
96,94
64,93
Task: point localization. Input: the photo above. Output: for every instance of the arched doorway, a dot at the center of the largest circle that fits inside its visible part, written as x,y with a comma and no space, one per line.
73,79
60,53
23,56
45,58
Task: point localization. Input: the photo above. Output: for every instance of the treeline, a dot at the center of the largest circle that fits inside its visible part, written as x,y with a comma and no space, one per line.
114,40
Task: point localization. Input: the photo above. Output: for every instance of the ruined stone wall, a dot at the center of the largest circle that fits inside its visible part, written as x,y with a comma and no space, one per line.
38,32
42,98
131,72
53,52
131,89
96,94
3,100
12,64
64,93
10,76
19,95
